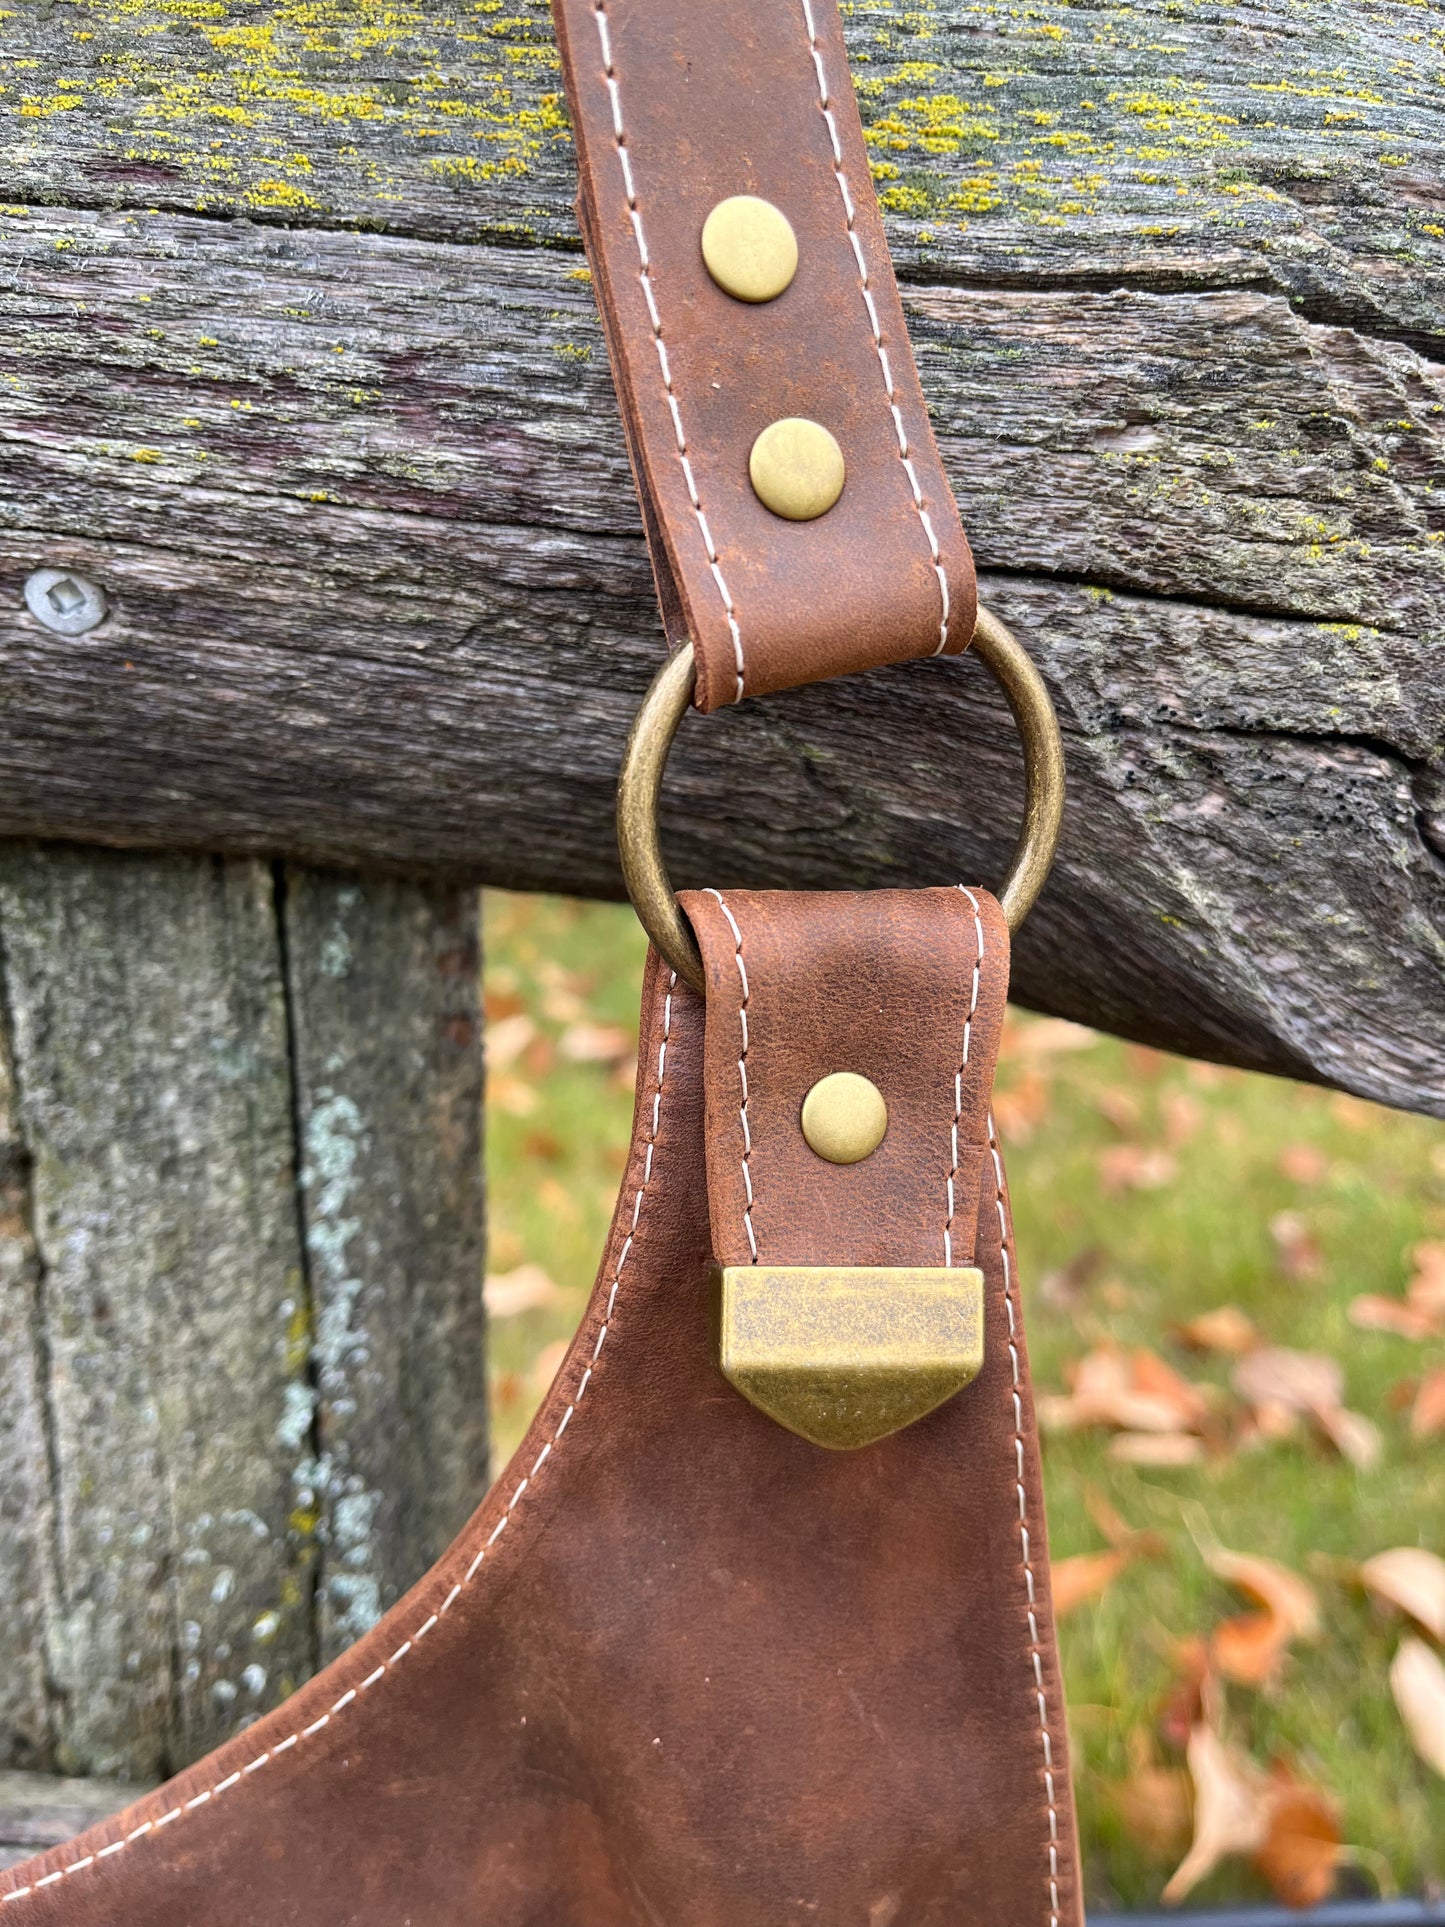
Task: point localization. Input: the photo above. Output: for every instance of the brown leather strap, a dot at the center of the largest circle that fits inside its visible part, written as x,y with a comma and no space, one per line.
681,1666
676,105
906,987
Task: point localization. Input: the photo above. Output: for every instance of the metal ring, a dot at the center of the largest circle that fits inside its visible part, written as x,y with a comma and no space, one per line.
667,701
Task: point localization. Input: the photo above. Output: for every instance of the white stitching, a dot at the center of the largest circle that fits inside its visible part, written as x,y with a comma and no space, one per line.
958,1081
850,217
747,1157
644,260
1005,1241
283,1746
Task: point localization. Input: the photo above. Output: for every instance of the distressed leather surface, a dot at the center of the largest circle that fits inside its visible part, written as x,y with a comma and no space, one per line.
675,107
906,987
681,1669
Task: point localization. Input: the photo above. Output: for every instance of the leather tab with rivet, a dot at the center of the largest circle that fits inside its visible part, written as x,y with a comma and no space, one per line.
677,108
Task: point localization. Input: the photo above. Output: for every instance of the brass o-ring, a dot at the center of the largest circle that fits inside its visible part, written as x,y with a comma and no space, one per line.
667,701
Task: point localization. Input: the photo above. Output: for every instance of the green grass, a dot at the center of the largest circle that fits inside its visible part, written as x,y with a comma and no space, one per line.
556,1136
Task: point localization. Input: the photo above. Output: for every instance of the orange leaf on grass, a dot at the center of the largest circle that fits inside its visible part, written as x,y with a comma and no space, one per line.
546,1364
596,1044
1417,1680
1133,1391
1021,1105
1289,1830
1299,1253
1427,1285
1420,1313
1152,1803
507,1038
1158,1451
1230,1810
1373,1312
1062,1288
1044,1036
1225,1329
1303,1163
527,1288
1251,1647
1300,1856
1135,1167
1085,1576
1275,1378
1427,1418
1183,1114
1192,1696
1412,1579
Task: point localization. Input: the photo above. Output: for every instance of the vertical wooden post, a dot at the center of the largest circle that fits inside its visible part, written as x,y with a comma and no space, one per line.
386,1046
240,1319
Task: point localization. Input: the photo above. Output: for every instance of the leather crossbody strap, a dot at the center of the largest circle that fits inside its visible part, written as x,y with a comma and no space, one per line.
679,106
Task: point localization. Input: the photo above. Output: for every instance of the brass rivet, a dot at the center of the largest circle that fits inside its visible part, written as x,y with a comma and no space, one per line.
749,248
796,469
844,1118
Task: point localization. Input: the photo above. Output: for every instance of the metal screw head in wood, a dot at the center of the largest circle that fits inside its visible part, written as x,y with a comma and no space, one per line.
667,701
64,602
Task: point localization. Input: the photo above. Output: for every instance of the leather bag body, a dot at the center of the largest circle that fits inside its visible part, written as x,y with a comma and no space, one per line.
682,1667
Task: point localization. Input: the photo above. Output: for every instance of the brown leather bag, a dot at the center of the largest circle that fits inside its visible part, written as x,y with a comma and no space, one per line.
683,1666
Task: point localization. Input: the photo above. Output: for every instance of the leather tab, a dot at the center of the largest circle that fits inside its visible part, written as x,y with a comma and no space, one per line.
677,106
905,987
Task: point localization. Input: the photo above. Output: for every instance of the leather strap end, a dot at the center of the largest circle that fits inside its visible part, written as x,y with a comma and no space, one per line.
904,987
676,107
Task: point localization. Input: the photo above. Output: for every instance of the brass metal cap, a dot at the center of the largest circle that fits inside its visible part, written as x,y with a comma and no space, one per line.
841,1356
749,248
844,1118
796,469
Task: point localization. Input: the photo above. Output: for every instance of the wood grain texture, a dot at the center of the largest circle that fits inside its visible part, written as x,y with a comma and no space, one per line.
198,1510
384,990
38,1810
26,1517
348,461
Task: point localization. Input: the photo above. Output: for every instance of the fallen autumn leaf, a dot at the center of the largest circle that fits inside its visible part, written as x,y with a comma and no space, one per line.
1417,1679
528,1288
1412,1579
1427,1417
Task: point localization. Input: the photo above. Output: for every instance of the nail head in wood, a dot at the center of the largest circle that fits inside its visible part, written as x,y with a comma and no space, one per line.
749,248
797,469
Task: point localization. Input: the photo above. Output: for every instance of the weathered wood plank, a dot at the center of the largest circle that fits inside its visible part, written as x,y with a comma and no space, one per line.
439,669
384,988
26,1517
260,1398
150,1035
38,1810
1290,145
380,595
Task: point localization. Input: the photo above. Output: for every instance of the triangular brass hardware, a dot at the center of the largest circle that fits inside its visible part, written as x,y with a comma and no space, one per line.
845,1355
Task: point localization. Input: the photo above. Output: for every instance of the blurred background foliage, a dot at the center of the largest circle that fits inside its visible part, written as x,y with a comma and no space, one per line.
1236,1308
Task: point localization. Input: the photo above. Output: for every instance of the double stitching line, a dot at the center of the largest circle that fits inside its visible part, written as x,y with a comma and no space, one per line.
1035,1655
850,216
958,1080
747,1157
375,1677
644,275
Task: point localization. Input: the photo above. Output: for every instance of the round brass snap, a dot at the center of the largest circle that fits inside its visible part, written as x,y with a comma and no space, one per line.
844,1118
796,469
749,248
